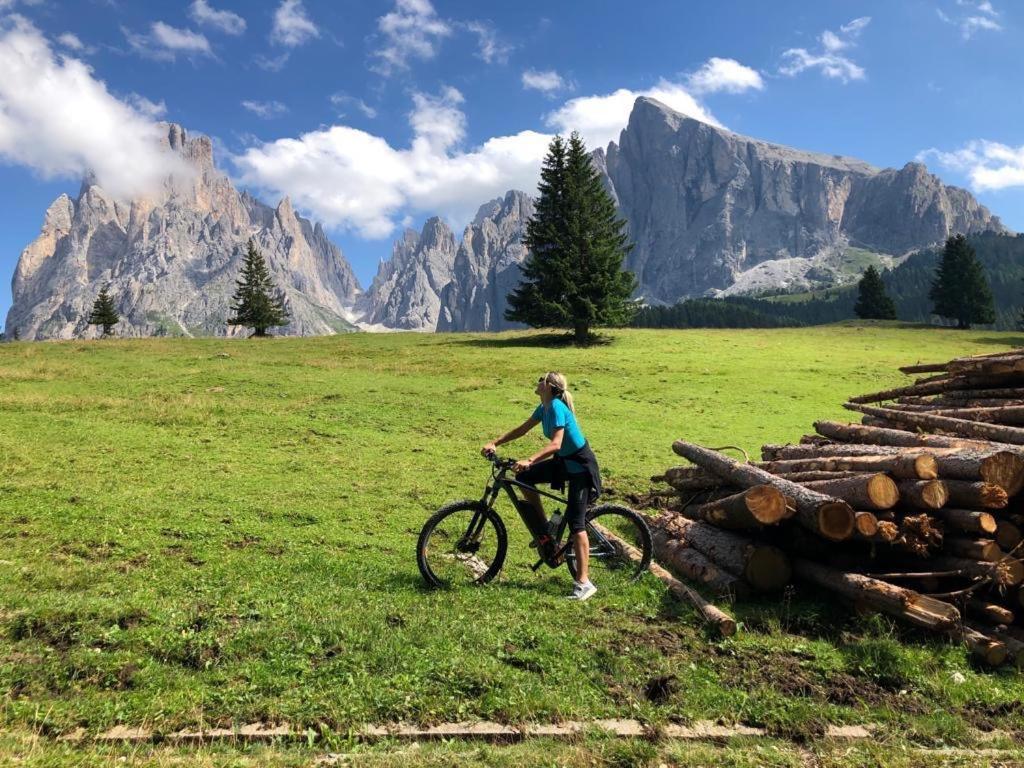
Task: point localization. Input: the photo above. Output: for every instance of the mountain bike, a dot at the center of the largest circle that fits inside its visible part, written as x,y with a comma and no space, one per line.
465,542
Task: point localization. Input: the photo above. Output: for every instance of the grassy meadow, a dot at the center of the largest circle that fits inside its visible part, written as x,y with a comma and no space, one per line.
213,532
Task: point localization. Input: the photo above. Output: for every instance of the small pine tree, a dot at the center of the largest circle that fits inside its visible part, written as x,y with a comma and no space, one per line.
257,304
104,312
960,290
573,276
873,303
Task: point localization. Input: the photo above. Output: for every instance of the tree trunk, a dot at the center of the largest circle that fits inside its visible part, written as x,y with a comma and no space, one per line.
1008,535
830,517
961,427
693,479
864,492
1005,573
763,567
694,564
924,494
900,602
1006,415
581,334
810,477
910,466
972,549
968,520
724,623
929,388
858,433
991,652
752,508
990,612
976,495
865,524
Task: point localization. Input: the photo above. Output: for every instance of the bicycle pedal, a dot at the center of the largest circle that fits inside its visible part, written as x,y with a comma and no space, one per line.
536,566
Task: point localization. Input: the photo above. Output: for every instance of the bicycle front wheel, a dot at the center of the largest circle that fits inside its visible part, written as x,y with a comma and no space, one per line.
621,547
462,543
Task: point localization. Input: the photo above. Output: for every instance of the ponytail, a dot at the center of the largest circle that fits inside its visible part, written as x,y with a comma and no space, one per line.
561,384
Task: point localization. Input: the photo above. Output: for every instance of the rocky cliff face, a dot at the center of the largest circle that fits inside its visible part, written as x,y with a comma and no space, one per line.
171,260
486,267
710,210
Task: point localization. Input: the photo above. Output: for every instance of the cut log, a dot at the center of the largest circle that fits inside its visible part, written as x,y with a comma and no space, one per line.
694,565
977,495
1008,535
692,479
1004,365
865,492
752,508
830,517
968,520
907,438
724,623
1002,468
1013,645
1006,393
918,535
866,524
990,612
1005,573
927,388
962,427
913,466
972,549
764,567
924,494
1008,415
810,477
988,650
900,602
924,368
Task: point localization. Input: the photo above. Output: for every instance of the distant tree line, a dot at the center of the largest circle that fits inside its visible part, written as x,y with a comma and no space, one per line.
999,259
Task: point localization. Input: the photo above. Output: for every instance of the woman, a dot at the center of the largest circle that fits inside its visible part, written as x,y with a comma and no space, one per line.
566,458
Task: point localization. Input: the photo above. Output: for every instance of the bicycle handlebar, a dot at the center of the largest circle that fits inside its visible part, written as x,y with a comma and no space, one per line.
497,461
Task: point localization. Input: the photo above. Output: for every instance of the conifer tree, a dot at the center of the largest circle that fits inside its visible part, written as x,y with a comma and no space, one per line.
873,303
960,290
573,276
257,303
104,312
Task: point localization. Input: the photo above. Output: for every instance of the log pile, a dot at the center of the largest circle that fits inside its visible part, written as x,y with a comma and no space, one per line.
917,512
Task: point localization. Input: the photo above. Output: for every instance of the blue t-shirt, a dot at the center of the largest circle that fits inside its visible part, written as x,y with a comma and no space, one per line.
558,415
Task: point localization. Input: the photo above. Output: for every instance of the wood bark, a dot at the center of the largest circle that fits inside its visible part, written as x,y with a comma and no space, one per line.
990,612
988,650
695,566
1005,573
967,520
919,466
975,495
809,477
864,492
924,494
1007,415
828,516
1008,535
905,604
762,566
961,427
907,438
972,549
927,388
751,508
713,615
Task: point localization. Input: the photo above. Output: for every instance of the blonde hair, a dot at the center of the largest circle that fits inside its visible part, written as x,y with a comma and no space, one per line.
559,383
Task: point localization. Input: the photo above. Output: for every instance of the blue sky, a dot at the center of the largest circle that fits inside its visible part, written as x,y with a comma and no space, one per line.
375,115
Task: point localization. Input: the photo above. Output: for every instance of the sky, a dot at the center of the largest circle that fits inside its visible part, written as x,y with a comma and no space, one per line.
373,115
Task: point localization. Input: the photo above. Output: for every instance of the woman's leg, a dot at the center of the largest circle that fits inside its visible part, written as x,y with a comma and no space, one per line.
576,513
581,547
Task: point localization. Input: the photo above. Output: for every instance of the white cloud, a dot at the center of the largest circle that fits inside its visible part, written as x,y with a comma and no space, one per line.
413,30
832,63
165,42
292,27
226,21
71,40
980,15
350,178
151,109
265,109
343,100
724,75
988,165
272,63
599,119
58,119
547,82
489,47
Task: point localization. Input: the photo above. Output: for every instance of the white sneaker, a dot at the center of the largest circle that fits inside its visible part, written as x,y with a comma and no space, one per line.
582,591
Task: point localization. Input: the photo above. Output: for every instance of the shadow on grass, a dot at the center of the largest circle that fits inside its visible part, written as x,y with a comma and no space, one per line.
546,340
1012,341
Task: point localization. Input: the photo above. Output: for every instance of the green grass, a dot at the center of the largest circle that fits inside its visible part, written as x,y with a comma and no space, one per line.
199,531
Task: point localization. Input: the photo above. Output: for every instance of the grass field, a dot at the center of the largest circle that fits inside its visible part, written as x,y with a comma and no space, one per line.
211,532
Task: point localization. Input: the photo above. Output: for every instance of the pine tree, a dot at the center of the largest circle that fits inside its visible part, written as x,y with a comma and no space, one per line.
257,304
573,276
960,290
873,303
104,312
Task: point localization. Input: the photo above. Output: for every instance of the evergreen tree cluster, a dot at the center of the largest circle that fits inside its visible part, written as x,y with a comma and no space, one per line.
257,303
104,312
572,277
873,303
960,291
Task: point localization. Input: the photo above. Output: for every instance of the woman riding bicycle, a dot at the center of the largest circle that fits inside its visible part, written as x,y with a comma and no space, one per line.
567,458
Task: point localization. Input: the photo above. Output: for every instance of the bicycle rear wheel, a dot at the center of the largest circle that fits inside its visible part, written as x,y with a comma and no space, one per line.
621,547
462,543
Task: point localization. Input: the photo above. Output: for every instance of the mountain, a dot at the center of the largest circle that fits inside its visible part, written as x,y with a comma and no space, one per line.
713,212
171,259
486,267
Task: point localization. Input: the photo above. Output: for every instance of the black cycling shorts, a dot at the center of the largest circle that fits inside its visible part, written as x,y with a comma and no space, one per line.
553,471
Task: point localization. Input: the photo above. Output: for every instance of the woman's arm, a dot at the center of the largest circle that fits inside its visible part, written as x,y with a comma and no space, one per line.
508,437
548,450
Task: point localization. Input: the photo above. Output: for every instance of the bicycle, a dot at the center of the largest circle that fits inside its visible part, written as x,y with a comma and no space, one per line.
465,542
